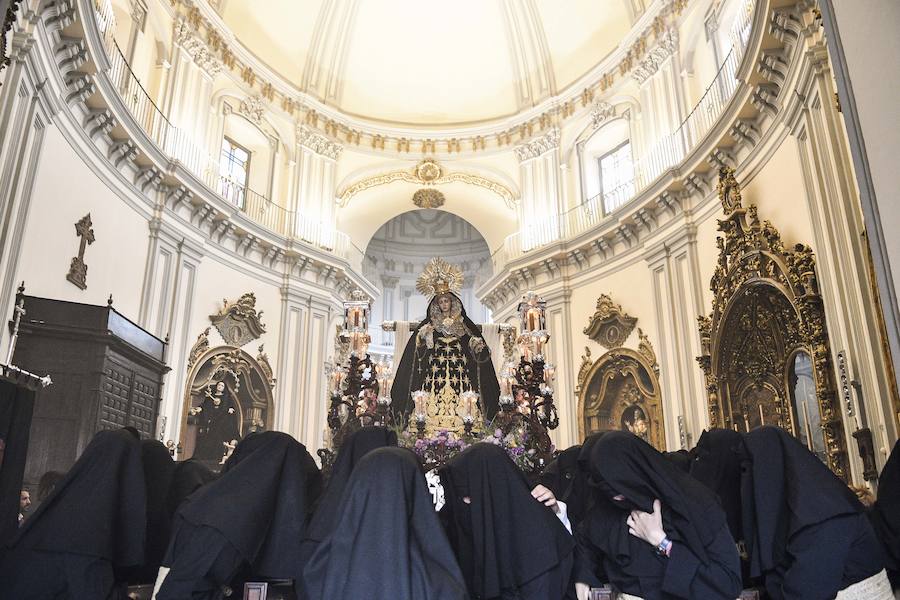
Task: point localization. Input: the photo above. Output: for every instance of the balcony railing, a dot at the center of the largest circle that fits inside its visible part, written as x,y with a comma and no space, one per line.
663,155
668,152
179,146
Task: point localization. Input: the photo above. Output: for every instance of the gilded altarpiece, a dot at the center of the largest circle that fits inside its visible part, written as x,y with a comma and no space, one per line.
765,352
620,390
229,392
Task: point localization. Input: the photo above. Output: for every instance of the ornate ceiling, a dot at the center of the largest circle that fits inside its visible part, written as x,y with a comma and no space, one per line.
408,62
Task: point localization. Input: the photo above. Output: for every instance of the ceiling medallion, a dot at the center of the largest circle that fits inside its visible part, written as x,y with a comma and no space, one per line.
428,170
428,198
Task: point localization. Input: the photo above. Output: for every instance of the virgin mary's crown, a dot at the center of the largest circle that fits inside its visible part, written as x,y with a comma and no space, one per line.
439,277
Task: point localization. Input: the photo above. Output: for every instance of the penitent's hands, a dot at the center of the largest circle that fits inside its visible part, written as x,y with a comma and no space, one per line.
545,496
647,526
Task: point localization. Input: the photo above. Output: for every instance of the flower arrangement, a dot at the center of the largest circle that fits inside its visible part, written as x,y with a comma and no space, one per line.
435,450
444,445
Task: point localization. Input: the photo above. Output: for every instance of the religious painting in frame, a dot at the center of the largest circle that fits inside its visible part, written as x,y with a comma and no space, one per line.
228,395
620,391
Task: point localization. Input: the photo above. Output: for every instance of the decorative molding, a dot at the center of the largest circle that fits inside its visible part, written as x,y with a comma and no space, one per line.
428,198
766,309
318,143
239,323
601,112
666,46
188,38
609,326
263,359
306,102
77,268
199,347
538,146
416,176
645,349
254,108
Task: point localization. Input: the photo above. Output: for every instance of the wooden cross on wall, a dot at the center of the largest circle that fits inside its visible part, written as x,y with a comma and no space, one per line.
77,269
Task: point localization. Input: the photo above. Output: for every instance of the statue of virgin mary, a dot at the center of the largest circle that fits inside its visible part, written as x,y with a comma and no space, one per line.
445,357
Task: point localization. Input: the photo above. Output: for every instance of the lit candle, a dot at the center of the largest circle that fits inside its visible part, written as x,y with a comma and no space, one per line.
762,417
539,345
549,372
356,317
531,320
419,400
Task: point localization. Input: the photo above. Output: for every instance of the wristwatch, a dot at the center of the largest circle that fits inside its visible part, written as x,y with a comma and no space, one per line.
665,547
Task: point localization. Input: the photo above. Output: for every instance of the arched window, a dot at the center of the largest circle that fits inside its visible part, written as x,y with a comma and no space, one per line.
608,168
802,387
234,168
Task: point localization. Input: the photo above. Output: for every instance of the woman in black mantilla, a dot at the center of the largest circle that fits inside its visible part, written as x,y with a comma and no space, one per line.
445,356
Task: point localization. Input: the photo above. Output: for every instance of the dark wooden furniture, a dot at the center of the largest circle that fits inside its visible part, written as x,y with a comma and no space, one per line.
107,373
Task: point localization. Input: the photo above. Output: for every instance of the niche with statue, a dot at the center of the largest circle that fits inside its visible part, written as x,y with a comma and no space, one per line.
229,392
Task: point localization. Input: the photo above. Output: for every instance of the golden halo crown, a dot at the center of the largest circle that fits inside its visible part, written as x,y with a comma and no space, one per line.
439,277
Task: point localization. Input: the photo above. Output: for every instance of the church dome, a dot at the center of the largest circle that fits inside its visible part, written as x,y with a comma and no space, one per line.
442,64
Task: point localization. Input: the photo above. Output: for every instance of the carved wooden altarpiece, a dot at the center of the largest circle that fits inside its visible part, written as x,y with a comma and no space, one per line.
620,391
767,335
249,382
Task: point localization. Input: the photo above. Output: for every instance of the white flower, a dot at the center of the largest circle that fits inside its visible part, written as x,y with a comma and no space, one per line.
367,373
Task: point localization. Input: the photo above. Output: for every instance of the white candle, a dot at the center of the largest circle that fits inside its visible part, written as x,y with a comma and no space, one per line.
809,440
762,418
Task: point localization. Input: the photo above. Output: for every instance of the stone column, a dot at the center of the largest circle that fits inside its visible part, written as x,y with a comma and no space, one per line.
677,301
843,263
540,207
315,184
26,109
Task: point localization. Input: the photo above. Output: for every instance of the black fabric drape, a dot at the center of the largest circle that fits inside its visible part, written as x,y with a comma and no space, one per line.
387,542
408,380
791,500
16,409
503,538
719,456
559,475
188,476
93,521
158,471
635,469
258,506
99,508
787,489
885,514
704,560
355,447
681,458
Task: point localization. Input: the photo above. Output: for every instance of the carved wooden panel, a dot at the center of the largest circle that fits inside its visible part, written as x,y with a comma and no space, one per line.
620,391
766,313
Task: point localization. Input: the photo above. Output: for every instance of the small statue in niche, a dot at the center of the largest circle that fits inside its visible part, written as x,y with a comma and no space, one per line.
217,431
635,420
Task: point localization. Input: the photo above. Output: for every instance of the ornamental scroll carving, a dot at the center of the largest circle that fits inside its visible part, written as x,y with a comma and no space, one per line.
609,326
766,333
239,323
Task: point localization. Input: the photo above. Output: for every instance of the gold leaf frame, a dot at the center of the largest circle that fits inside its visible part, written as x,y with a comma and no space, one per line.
610,375
754,263
253,396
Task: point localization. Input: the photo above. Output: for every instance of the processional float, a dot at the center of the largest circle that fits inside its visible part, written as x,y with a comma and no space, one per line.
360,390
